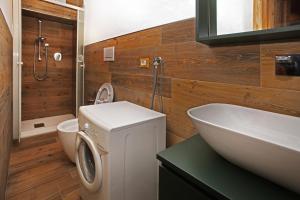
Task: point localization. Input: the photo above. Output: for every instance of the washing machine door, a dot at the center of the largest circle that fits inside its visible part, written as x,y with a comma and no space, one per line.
88,162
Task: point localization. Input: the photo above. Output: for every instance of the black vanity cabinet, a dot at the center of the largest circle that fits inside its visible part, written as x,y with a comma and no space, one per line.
172,186
192,170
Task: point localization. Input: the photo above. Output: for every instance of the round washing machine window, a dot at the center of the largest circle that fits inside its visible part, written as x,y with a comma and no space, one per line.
88,162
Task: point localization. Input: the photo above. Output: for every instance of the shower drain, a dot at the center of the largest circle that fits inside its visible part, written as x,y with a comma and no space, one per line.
39,125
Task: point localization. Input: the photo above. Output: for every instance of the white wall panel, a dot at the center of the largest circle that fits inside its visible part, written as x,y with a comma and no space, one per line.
106,19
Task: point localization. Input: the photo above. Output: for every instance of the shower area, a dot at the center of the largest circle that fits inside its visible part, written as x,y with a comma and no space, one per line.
51,76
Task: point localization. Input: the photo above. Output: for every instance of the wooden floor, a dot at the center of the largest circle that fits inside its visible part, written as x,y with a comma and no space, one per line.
39,170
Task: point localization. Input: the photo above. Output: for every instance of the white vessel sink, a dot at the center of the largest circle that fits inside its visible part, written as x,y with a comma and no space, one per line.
265,143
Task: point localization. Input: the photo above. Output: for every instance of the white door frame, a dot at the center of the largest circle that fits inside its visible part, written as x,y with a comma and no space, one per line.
80,66
17,68
17,62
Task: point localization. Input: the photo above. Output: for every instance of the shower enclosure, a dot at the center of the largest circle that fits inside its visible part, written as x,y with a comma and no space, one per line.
48,69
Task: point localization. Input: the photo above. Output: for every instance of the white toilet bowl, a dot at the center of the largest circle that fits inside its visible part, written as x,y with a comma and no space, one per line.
67,131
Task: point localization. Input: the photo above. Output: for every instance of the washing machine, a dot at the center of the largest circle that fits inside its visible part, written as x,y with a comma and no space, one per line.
116,151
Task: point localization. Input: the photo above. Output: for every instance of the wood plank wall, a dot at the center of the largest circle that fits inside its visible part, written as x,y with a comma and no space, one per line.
78,3
51,9
55,95
194,74
5,101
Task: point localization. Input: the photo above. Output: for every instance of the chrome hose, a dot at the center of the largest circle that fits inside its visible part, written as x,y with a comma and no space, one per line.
44,76
156,63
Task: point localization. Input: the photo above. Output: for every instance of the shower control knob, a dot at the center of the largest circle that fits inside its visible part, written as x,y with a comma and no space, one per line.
86,126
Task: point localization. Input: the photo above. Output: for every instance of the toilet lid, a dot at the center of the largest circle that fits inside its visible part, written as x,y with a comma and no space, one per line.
105,94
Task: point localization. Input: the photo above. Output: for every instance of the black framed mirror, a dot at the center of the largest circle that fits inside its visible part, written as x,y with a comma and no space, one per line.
236,21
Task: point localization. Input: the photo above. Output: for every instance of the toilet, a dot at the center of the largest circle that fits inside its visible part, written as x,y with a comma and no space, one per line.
67,130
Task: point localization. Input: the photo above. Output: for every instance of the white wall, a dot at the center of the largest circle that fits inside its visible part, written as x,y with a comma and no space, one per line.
6,7
234,16
106,19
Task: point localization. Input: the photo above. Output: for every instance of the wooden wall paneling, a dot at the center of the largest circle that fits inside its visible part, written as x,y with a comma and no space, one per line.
143,39
97,71
49,9
94,57
142,83
236,65
6,45
36,14
140,98
188,59
189,93
93,82
97,46
78,3
268,53
55,95
173,138
194,74
126,94
144,98
130,48
179,32
127,60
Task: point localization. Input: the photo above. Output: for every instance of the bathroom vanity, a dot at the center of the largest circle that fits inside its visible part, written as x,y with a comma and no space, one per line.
193,170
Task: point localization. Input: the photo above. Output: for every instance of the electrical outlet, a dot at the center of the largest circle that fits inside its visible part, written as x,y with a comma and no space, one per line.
144,62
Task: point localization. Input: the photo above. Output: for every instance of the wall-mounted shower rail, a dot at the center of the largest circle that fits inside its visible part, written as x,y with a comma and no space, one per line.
39,42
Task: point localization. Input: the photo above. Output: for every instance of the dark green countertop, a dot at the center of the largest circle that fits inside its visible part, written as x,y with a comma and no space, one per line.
198,163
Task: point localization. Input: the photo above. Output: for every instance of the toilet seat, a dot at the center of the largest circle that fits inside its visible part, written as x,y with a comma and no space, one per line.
105,94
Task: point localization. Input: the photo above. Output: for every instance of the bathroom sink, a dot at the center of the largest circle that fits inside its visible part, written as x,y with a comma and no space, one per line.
265,143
